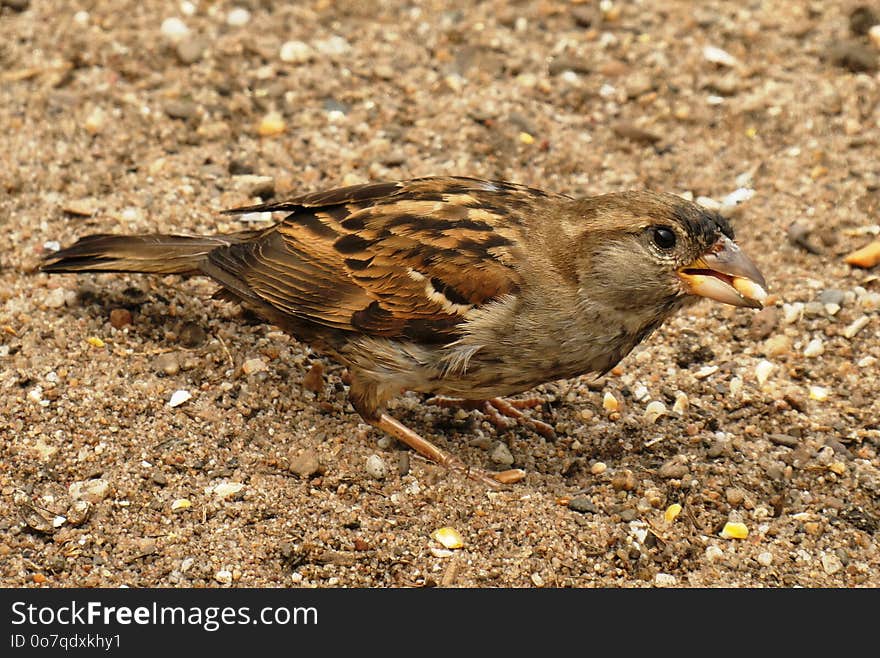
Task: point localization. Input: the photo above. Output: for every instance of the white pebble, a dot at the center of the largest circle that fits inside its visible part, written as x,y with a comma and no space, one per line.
708,202
814,348
224,576
874,35
51,245
736,386
665,580
238,17
225,489
716,55
179,397
831,563
765,559
640,392
174,29
706,371
81,18
763,370
791,313
866,361
334,45
654,410
93,491
187,8
55,299
251,366
296,52
537,579
870,301
375,467
856,326
713,553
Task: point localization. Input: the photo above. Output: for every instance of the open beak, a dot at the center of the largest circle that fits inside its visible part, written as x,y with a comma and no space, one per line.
725,274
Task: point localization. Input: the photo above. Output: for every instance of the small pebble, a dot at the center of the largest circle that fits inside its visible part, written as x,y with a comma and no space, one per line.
191,334
253,366
179,397
624,481
713,553
333,46
501,455
94,341
304,465
55,298
296,52
791,313
665,580
673,470
174,29
765,558
832,296
681,403
866,257
582,504
777,345
167,364
224,576
96,121
92,491
375,467
190,50
80,207
814,348
120,317
831,564
598,468
856,326
238,17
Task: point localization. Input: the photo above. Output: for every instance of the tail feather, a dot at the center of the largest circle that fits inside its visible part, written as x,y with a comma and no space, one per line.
153,254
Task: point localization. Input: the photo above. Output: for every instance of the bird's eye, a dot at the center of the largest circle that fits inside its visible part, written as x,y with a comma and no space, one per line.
664,237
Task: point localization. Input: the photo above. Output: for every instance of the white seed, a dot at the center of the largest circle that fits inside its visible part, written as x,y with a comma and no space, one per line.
763,370
814,348
819,393
654,410
736,385
856,326
716,55
179,397
681,403
705,371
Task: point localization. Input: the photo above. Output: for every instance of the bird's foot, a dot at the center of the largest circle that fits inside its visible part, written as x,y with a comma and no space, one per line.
427,449
499,410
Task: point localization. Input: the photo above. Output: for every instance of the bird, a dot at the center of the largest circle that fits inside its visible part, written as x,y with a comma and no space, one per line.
466,289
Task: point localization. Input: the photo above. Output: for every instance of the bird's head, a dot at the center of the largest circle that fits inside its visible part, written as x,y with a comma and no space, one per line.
652,253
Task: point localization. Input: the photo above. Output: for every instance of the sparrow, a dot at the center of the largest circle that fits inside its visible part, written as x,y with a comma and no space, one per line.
458,287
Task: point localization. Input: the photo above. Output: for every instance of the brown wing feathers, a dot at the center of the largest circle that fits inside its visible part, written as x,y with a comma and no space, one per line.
400,260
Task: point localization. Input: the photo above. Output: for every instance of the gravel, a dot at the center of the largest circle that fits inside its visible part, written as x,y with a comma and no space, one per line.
143,120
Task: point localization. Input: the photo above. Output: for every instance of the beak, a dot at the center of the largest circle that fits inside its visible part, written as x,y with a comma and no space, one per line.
725,274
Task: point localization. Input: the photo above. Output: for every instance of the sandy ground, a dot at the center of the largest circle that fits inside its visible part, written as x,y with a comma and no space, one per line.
113,120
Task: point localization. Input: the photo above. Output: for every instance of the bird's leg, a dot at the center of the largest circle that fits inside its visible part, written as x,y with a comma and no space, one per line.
360,397
497,409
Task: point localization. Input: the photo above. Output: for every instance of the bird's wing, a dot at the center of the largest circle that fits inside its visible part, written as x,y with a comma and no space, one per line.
400,260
